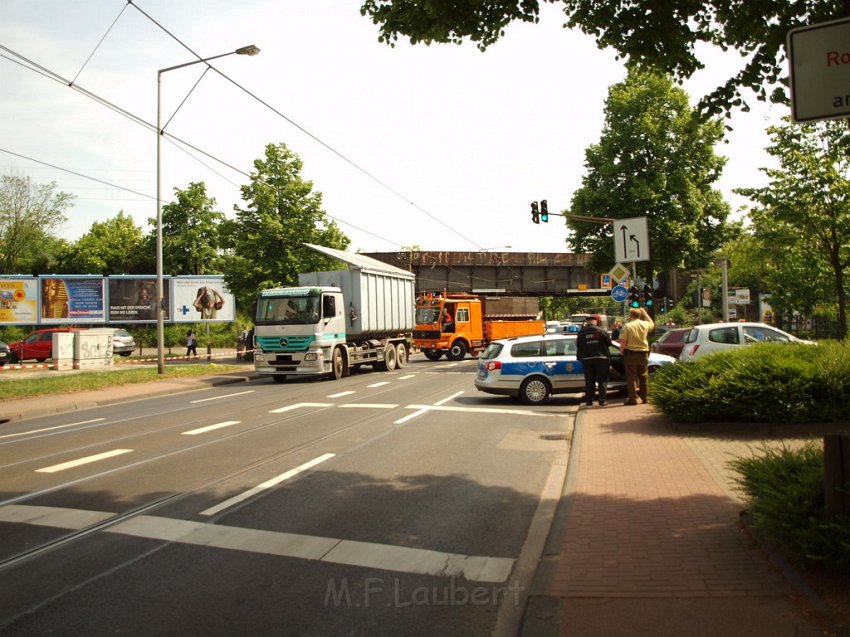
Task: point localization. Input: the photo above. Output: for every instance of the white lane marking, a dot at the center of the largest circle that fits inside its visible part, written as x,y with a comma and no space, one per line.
341,394
203,400
407,376
298,406
38,431
401,559
367,406
381,384
446,365
401,421
203,430
81,461
452,397
483,410
268,484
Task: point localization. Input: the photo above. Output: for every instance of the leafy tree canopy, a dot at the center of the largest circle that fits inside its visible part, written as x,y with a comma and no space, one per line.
266,240
655,159
805,209
29,214
662,34
190,232
109,247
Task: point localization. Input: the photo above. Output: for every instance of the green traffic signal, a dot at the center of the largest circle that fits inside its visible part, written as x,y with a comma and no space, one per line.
544,211
648,295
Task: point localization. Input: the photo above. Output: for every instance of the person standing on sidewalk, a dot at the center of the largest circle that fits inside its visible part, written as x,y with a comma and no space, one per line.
592,345
634,345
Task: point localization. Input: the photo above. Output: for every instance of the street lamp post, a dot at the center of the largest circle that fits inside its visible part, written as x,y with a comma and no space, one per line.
160,297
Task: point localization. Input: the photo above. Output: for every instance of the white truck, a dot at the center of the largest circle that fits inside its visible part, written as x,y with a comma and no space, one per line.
335,321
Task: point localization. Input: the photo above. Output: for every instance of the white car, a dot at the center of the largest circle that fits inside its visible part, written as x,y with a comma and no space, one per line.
717,337
123,342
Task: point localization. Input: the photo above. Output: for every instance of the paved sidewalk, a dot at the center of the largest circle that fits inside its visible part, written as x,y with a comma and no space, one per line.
647,540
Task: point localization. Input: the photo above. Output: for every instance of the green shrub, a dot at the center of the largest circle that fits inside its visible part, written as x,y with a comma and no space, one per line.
785,488
766,382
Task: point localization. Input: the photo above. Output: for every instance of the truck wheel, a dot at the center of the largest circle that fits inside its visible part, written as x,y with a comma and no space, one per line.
279,378
534,390
432,354
400,355
390,358
457,351
337,364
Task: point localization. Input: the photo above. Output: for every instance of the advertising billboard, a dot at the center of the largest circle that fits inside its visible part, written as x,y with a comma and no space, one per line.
68,299
18,301
132,299
200,298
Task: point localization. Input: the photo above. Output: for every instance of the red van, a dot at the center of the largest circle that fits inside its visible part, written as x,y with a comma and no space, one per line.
38,345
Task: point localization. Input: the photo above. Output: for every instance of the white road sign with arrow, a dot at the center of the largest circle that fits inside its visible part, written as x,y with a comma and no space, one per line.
631,239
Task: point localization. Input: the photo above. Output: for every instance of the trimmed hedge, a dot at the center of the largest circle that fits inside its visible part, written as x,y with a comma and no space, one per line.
764,382
785,490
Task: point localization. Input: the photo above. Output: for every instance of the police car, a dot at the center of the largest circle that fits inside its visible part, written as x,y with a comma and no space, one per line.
532,368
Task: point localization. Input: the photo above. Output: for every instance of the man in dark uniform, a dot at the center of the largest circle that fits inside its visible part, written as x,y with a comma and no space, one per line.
592,345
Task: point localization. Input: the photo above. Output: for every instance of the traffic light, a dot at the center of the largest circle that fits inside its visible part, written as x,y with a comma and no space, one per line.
634,297
544,211
648,296
535,213
663,307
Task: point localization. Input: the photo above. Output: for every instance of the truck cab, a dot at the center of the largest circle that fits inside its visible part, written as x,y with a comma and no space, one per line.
463,335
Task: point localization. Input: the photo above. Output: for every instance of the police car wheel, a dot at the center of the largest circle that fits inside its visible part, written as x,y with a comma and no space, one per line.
534,391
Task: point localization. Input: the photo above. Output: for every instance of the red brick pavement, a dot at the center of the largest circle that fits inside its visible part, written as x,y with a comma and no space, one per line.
649,518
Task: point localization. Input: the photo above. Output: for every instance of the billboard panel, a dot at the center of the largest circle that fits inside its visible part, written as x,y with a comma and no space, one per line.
18,301
132,299
67,299
200,298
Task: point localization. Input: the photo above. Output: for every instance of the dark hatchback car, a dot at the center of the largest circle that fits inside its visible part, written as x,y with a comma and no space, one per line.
5,354
671,342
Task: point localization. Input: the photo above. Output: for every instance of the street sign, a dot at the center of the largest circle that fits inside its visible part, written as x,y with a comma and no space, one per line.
819,68
631,239
619,293
619,272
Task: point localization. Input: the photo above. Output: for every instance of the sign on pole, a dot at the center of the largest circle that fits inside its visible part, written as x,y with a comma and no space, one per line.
819,68
631,239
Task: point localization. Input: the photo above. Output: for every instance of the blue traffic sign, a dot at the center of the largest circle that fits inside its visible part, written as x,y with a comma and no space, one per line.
619,293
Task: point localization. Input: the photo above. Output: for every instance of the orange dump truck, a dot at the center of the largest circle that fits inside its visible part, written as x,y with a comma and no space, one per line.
457,323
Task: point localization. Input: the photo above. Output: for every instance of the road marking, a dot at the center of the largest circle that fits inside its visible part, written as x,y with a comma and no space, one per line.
484,410
407,376
381,384
341,394
367,406
401,421
204,400
38,431
369,555
203,430
268,484
452,397
81,461
298,406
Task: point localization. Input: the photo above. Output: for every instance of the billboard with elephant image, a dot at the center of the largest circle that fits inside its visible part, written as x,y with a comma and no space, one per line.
202,298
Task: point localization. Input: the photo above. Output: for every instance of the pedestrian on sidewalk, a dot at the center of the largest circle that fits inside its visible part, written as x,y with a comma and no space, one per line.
191,343
634,345
592,349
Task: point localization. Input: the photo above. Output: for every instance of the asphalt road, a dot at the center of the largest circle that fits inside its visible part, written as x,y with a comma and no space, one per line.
380,504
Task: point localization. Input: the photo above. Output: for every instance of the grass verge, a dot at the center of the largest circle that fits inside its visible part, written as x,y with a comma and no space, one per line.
25,387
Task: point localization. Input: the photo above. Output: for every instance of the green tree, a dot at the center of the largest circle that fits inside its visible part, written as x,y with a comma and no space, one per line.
109,247
29,214
655,159
660,34
804,212
190,232
265,242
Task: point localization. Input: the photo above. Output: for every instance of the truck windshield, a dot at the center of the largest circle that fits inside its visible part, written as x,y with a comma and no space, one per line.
288,310
427,314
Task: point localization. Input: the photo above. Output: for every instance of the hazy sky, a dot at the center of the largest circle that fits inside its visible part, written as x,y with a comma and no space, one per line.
442,147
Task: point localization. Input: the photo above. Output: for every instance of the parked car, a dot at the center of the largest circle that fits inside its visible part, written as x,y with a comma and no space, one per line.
706,339
37,345
123,342
532,368
671,342
5,354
